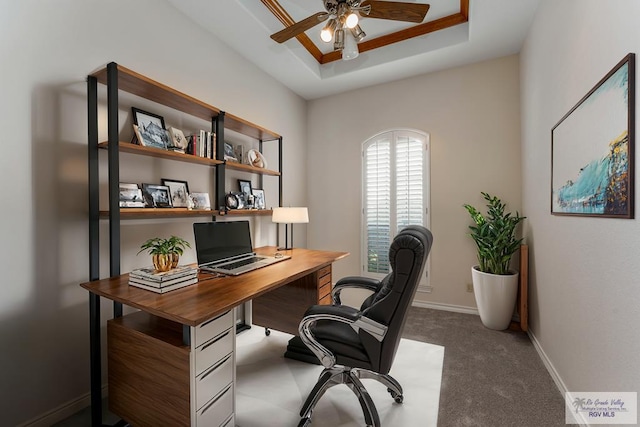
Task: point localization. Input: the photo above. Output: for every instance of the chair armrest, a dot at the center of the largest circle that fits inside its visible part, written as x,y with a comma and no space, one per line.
356,282
335,313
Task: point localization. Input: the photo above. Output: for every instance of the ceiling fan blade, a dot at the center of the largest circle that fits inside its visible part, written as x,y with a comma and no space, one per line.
397,11
299,27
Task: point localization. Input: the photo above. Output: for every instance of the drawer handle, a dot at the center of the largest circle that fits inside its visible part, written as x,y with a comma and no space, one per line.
213,368
212,320
206,408
214,341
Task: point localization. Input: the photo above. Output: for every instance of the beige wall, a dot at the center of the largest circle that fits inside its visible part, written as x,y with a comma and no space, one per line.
47,49
473,118
584,293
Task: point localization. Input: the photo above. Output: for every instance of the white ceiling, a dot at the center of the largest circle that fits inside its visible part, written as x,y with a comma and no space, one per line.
495,28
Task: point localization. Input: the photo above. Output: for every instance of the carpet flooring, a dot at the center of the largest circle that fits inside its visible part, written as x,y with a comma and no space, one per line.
490,378
271,388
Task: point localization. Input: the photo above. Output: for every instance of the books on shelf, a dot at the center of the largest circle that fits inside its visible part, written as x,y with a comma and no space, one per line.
150,279
165,288
150,273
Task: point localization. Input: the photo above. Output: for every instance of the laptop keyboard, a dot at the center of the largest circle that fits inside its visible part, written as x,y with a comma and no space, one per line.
241,263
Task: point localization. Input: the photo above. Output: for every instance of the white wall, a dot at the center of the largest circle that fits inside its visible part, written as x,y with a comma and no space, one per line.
584,271
472,115
47,49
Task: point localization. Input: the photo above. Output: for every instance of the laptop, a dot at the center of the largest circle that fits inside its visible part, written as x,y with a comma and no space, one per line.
225,247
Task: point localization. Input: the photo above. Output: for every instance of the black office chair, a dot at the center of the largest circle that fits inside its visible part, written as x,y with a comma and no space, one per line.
353,344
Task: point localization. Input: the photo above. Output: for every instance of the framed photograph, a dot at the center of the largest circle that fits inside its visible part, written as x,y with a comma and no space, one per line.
229,153
258,199
200,201
238,150
245,186
130,196
592,150
179,191
156,196
178,141
151,129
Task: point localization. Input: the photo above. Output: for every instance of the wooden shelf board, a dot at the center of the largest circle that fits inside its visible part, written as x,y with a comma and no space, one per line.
163,154
240,212
131,213
142,86
252,169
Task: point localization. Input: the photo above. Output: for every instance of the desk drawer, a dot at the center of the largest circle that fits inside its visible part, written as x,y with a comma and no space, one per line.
214,350
214,380
324,271
213,327
217,411
324,280
324,291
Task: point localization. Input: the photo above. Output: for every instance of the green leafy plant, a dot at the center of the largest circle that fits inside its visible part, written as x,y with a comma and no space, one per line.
494,235
158,246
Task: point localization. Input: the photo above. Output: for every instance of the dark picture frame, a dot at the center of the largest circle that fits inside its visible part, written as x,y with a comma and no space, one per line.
151,129
592,150
179,191
229,152
156,196
245,187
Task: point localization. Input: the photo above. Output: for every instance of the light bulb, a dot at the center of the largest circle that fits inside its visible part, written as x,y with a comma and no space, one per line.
327,32
352,20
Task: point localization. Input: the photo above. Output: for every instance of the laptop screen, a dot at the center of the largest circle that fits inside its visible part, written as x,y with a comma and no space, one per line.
216,241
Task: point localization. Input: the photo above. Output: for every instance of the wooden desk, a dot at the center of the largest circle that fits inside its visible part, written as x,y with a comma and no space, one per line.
137,338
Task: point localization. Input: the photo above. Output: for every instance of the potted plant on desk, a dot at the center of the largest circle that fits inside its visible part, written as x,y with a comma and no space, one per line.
495,286
165,253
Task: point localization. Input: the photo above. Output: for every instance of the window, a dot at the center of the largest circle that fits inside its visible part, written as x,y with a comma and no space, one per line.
395,192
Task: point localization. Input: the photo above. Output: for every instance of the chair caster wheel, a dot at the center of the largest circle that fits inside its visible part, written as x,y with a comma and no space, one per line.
267,332
304,422
397,397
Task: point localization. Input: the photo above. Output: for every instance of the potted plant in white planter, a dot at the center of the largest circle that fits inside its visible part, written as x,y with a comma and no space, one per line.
495,285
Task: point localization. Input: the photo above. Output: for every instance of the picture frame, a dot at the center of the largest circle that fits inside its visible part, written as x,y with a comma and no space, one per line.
258,198
245,187
130,196
200,201
151,129
156,196
592,150
229,153
179,191
177,140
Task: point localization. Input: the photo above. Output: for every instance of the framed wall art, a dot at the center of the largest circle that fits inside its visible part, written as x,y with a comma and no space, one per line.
592,150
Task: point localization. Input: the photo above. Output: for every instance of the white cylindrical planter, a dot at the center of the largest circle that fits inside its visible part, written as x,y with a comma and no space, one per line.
496,297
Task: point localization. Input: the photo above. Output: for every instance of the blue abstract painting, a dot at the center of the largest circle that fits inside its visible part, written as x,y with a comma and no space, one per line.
592,147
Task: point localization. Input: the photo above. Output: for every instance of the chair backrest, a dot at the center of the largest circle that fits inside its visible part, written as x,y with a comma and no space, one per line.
407,255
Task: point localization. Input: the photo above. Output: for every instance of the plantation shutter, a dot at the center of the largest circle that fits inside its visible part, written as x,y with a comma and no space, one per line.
377,211
393,193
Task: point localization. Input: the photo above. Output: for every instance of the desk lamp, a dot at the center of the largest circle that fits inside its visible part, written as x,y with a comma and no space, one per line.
288,216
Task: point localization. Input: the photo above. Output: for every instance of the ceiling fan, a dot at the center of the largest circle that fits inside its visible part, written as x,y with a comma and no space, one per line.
345,15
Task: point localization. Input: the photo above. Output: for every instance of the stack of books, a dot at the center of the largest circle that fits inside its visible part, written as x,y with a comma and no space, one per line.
161,282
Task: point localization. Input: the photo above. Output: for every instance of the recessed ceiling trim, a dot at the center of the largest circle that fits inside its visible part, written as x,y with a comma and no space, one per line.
415,31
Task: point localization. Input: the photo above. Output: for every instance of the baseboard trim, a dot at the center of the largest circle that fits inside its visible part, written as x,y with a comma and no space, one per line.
557,379
446,307
63,411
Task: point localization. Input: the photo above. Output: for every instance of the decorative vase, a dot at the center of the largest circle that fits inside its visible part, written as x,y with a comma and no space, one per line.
175,258
496,297
162,262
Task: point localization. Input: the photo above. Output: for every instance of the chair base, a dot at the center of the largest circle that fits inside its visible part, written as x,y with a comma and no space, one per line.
351,378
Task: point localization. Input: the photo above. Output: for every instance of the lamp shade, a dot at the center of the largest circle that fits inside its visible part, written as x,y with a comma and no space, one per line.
290,215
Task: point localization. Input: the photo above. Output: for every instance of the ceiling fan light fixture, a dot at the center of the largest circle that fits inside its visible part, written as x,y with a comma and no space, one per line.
327,32
358,33
350,50
338,41
352,20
